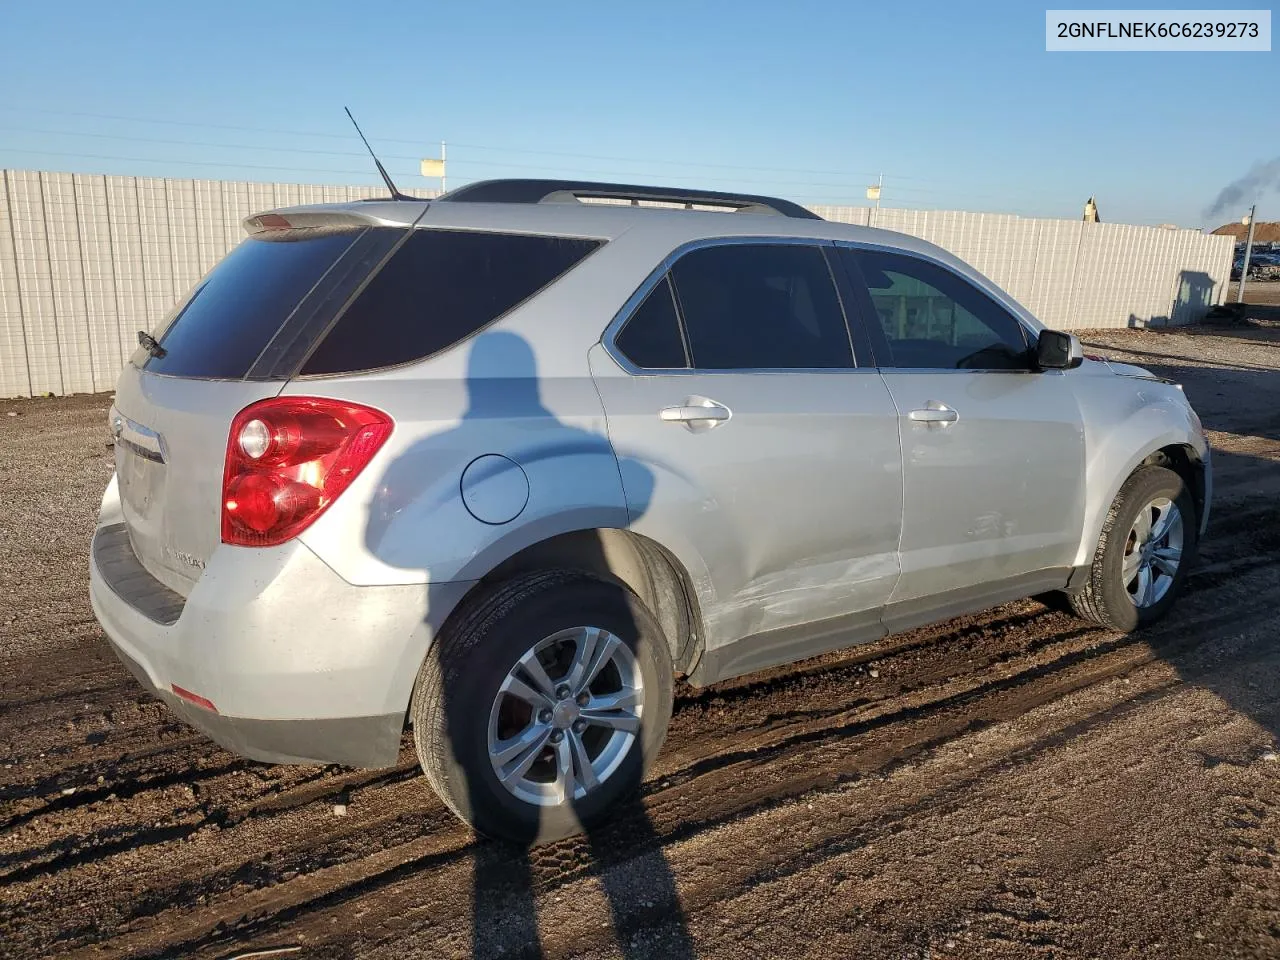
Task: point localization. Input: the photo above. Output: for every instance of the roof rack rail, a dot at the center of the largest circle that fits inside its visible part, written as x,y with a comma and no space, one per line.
569,191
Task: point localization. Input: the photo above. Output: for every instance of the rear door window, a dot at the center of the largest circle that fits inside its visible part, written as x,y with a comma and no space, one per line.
761,306
243,302
440,287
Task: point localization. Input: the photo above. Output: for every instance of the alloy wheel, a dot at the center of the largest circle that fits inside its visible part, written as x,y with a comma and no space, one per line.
566,716
1153,552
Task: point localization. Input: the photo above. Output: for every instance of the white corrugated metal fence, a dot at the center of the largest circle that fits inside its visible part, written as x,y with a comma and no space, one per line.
1074,275
86,261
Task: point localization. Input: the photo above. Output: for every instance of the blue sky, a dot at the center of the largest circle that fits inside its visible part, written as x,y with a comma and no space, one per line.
959,106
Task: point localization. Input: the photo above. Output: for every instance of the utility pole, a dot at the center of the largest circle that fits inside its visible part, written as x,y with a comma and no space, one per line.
873,193
1248,250
443,188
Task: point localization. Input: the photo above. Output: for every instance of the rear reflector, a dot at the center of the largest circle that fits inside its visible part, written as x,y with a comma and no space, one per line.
195,698
288,459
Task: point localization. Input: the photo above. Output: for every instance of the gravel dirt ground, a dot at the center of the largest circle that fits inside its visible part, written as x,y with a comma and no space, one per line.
1013,784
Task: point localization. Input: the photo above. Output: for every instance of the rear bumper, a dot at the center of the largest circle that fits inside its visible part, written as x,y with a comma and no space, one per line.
301,666
352,741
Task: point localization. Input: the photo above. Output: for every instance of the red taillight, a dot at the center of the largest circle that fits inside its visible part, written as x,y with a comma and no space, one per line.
289,458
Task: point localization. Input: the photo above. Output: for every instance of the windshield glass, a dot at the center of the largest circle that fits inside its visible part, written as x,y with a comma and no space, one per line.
235,311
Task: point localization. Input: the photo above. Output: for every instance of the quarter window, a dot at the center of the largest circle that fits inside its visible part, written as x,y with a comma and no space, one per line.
753,306
440,287
651,337
934,319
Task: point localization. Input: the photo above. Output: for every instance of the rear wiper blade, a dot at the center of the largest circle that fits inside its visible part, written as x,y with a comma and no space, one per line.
152,344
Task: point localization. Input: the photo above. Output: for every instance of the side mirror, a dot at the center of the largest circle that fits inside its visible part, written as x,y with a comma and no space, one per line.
1056,350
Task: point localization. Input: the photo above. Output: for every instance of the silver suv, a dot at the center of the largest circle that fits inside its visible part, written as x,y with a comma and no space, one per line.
504,464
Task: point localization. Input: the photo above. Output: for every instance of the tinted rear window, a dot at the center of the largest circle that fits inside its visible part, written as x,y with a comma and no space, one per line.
761,306
441,286
236,310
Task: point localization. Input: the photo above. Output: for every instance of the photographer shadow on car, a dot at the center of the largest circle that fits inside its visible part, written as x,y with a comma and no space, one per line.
546,691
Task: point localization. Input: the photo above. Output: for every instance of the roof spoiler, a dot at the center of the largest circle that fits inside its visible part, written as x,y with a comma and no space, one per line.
323,216
572,191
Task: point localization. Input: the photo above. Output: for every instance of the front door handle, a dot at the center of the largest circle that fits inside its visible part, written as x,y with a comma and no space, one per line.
696,413
934,412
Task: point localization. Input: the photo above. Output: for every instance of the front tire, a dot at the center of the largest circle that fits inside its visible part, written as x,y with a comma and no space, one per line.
540,706
1148,541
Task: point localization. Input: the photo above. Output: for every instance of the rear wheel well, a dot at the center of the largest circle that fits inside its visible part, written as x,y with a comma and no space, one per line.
642,565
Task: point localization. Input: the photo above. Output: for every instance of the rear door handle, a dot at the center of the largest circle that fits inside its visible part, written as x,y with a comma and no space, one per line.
690,414
934,412
696,413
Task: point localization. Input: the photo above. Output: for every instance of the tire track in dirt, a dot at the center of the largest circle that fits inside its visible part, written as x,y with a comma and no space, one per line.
822,726
1015,907
828,827
690,806
236,870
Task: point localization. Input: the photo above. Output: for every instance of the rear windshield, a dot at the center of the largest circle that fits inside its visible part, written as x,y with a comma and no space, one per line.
441,286
240,306
270,305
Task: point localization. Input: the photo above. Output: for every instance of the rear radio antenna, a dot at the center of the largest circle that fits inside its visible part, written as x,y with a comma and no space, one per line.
386,178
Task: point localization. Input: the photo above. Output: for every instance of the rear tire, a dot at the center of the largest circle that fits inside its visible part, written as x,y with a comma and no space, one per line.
479,696
1148,542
